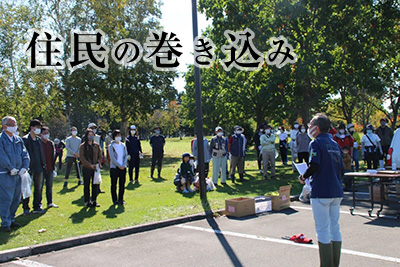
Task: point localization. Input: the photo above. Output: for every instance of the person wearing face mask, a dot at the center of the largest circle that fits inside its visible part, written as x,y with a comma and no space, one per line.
302,143
267,141
356,145
371,147
219,151
14,161
34,145
326,168
257,146
283,144
59,146
108,139
293,147
90,156
157,143
49,152
207,155
385,134
236,150
72,144
99,140
134,153
344,139
119,158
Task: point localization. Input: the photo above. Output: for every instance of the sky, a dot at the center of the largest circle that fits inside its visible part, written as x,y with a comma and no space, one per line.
177,18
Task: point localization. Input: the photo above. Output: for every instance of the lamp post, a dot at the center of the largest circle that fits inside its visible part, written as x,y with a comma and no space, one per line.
199,112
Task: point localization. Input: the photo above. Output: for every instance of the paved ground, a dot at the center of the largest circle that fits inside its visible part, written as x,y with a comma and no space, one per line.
252,241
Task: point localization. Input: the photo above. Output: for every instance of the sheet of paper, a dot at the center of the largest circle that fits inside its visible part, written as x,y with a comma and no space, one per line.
301,167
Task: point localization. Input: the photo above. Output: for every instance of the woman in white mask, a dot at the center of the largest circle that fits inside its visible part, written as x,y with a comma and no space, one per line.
371,147
118,160
302,143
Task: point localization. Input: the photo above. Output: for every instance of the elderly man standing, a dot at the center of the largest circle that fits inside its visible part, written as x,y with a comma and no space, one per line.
218,151
14,161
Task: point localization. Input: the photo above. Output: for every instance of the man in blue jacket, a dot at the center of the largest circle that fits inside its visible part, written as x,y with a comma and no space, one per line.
236,149
14,161
325,169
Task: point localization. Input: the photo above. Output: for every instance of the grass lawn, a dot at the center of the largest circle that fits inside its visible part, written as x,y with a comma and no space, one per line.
152,200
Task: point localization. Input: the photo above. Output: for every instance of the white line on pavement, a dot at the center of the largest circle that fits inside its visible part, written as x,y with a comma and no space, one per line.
281,241
29,263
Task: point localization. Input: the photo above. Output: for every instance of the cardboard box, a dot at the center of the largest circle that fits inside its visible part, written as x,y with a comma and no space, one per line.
377,193
283,200
240,207
262,204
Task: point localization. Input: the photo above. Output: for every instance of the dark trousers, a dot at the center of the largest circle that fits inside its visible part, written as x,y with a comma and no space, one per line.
259,158
156,160
283,151
37,178
117,176
206,168
59,156
70,161
48,180
134,163
88,175
385,150
372,159
302,156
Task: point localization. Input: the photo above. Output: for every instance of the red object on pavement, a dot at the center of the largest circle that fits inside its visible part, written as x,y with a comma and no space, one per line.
300,238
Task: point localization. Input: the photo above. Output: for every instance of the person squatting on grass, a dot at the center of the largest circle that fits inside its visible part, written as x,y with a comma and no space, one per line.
14,162
326,170
186,173
90,156
118,161
218,151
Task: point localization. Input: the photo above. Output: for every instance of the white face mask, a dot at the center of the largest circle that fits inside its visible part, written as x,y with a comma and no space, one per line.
109,134
37,131
94,131
261,130
118,138
46,136
303,130
296,126
74,133
267,131
191,162
341,131
238,132
17,133
12,129
133,132
311,131
220,133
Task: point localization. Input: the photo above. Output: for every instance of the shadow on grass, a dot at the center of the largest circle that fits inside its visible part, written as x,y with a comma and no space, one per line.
79,202
146,161
66,190
84,213
113,211
158,180
134,186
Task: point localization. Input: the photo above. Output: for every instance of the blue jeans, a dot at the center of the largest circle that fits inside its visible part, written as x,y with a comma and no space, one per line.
355,159
10,196
326,213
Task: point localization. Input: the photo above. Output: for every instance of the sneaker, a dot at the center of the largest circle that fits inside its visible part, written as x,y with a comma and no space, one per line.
66,184
260,171
131,181
121,203
185,191
95,204
52,205
190,190
136,181
223,183
39,211
88,204
115,203
27,212
80,182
